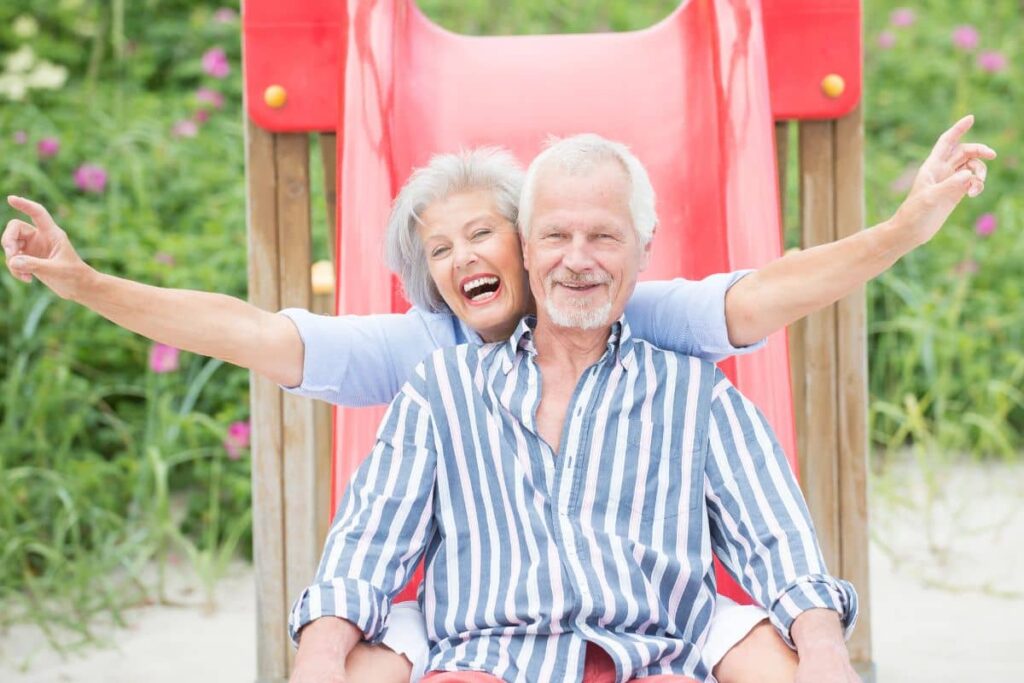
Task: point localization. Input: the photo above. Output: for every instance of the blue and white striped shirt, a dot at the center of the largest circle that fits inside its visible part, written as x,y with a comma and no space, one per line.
531,553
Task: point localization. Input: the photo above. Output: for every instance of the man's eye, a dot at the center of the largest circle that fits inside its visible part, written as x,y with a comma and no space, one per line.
481,233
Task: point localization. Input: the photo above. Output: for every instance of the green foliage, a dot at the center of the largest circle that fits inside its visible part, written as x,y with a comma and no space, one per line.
947,322
106,465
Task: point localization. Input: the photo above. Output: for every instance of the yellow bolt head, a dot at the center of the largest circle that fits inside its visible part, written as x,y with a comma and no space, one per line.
322,276
833,85
275,96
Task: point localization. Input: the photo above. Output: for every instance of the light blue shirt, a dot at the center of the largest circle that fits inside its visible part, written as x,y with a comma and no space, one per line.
361,360
530,552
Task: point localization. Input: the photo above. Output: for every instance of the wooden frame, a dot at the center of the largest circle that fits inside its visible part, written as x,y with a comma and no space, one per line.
291,436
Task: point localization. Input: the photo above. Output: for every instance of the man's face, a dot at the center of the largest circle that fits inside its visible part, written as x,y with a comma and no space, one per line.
583,254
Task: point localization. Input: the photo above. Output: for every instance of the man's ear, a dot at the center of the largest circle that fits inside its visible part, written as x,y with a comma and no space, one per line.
646,258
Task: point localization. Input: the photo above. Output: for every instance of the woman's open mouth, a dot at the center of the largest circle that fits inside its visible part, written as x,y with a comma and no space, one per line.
480,289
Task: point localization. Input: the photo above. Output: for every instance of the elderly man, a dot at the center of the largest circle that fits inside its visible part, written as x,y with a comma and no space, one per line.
568,486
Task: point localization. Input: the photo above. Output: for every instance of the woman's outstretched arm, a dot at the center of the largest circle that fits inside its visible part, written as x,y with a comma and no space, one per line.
205,323
802,282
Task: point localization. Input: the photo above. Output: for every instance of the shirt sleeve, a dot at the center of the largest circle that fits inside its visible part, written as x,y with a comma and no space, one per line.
760,526
382,526
349,360
686,316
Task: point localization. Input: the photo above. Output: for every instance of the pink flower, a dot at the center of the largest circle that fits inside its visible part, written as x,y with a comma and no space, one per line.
965,37
20,137
886,39
211,97
237,438
163,358
48,147
992,61
186,128
215,63
985,225
91,178
201,116
902,16
164,258
225,15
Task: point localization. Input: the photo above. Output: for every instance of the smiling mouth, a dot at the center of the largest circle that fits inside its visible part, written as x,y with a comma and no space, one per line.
482,289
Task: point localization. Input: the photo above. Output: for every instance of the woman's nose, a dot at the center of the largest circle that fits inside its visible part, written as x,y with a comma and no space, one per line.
464,255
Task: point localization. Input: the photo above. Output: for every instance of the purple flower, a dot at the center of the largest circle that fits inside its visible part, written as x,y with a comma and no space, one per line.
237,438
186,128
163,358
225,15
211,97
215,63
965,37
91,178
886,39
902,17
201,116
48,147
985,225
992,61
20,137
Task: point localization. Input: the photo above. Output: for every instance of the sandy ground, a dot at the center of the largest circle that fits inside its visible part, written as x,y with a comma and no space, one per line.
947,589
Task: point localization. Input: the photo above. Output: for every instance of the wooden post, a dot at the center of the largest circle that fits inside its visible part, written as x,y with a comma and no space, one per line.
828,355
266,412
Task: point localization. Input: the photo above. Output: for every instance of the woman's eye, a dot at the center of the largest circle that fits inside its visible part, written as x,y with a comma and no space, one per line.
438,252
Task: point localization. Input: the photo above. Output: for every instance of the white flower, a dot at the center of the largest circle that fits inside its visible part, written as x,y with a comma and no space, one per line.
13,87
21,60
47,76
25,26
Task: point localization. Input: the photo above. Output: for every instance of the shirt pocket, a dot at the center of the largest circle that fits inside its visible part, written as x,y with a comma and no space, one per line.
663,480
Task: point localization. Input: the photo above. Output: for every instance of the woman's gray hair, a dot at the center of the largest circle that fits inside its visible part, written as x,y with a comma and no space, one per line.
579,154
485,168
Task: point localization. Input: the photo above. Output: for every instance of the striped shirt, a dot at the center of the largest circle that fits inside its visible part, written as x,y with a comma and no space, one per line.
530,554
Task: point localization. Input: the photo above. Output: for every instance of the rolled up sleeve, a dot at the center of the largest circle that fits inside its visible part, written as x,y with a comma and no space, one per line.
761,529
687,316
382,526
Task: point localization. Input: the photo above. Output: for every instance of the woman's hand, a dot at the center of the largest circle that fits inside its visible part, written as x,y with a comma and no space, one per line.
42,249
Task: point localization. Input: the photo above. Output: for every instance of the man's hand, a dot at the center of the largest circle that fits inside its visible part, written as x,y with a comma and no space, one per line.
43,250
953,170
821,650
324,645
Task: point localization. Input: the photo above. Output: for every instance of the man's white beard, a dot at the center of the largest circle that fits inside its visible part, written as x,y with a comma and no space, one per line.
579,317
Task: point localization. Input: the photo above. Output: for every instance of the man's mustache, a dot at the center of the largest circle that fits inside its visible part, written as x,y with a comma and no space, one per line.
576,279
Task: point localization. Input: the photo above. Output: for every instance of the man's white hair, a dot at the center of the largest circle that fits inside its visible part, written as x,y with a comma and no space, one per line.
580,154
493,169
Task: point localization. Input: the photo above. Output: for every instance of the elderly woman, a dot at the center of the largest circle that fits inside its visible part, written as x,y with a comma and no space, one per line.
452,237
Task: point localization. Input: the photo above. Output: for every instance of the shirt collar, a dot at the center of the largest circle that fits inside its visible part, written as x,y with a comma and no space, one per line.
619,348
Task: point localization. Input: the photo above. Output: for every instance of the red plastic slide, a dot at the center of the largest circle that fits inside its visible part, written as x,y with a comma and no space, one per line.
689,95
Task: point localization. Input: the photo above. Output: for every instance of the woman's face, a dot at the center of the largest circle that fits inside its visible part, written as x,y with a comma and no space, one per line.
475,259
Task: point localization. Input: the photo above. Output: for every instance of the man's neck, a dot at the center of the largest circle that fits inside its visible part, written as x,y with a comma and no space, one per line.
569,346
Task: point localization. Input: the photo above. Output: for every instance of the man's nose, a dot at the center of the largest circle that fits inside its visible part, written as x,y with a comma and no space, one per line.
578,256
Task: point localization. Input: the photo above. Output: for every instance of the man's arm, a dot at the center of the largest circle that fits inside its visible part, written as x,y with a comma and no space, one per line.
762,532
382,528
802,282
